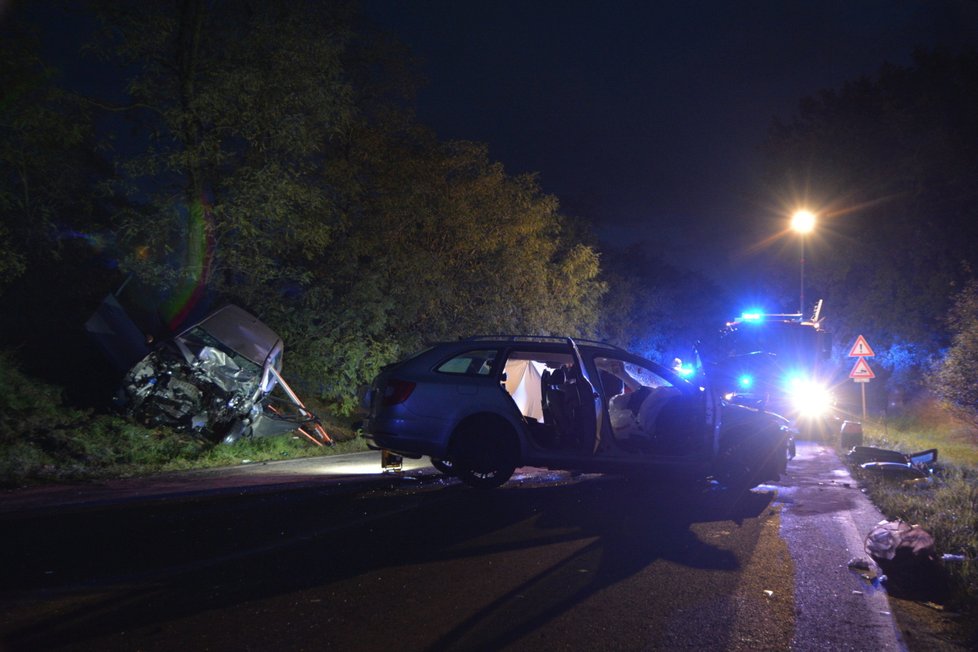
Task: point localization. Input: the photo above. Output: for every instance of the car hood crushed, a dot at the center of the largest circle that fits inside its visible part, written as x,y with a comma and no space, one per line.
219,379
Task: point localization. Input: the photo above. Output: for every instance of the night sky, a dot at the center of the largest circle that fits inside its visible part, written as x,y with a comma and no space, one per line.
644,117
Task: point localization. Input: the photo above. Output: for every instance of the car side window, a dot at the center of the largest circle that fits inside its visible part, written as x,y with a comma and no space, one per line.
477,362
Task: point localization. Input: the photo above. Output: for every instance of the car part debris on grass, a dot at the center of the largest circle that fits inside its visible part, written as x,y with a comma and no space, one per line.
916,468
907,557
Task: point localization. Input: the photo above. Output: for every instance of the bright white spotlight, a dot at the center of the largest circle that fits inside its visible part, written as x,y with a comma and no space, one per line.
810,399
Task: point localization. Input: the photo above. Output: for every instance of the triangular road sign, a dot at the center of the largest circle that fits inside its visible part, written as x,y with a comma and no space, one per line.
860,348
861,373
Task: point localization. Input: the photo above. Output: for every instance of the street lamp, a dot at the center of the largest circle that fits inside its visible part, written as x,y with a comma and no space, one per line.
802,222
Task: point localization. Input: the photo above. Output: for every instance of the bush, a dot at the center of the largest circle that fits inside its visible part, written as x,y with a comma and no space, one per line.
956,380
42,440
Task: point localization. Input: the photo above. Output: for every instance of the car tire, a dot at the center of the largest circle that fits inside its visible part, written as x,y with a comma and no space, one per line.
483,457
735,471
443,465
747,464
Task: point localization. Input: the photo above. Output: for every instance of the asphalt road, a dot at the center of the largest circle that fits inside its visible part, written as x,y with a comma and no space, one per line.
329,554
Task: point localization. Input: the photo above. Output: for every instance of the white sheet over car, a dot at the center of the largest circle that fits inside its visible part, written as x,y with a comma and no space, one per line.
523,384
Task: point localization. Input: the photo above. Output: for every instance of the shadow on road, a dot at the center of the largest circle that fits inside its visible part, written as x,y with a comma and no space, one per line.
132,568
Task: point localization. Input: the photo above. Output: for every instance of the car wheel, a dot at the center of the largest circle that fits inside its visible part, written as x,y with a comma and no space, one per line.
483,458
739,467
735,472
749,463
445,466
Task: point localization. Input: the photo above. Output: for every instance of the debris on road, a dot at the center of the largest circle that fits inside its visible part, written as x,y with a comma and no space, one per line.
906,554
865,568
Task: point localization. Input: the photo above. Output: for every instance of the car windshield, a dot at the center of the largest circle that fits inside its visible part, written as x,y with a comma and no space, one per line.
198,340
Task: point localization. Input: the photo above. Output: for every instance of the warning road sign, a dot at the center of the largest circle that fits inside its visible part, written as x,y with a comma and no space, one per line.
861,348
861,373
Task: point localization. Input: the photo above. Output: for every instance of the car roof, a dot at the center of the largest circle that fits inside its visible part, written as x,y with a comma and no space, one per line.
241,331
541,339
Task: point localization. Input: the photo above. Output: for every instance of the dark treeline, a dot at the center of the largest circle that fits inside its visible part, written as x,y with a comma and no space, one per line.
890,162
267,154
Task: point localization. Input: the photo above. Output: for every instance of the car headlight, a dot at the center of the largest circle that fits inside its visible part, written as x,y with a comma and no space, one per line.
810,399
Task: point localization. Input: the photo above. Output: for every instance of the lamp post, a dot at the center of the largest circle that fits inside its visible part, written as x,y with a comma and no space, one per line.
802,222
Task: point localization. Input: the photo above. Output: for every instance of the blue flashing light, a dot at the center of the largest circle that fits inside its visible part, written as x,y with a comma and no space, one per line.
753,316
685,371
745,381
794,381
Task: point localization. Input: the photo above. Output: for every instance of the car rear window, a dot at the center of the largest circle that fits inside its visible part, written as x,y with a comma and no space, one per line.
477,362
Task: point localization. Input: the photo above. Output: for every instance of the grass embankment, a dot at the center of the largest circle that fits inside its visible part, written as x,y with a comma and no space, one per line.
947,507
43,440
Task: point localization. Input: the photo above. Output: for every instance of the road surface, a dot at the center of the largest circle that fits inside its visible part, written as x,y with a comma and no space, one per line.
329,554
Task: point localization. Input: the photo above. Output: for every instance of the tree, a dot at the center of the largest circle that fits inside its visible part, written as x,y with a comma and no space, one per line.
51,226
43,139
441,244
235,105
267,154
469,248
655,309
956,379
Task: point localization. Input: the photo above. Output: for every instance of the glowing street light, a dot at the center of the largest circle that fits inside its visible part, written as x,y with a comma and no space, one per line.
802,222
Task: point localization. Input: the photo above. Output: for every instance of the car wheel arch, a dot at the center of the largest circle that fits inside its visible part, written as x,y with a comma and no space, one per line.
489,422
484,450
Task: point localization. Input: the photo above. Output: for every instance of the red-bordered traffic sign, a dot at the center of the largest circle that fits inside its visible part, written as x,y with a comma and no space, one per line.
861,373
861,348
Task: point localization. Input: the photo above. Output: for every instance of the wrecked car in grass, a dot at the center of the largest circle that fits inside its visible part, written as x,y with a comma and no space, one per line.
214,379
481,407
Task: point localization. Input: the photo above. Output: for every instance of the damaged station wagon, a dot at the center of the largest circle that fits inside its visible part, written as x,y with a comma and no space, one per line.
484,406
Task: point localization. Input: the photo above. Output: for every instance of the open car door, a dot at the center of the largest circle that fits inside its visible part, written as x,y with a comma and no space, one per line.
571,405
591,403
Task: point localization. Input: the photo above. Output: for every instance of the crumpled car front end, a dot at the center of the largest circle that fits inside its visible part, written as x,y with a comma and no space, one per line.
206,391
215,379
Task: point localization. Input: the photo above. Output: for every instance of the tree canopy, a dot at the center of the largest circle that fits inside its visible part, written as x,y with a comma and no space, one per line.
266,154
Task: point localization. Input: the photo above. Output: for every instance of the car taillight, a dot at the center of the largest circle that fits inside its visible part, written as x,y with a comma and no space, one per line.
397,391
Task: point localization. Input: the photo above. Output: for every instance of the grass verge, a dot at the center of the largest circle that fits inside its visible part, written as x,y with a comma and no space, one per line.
947,507
42,440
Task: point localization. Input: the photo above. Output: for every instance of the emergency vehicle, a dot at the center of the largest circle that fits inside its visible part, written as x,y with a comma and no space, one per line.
778,363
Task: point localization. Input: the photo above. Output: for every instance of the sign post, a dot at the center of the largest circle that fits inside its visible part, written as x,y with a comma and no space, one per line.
861,371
